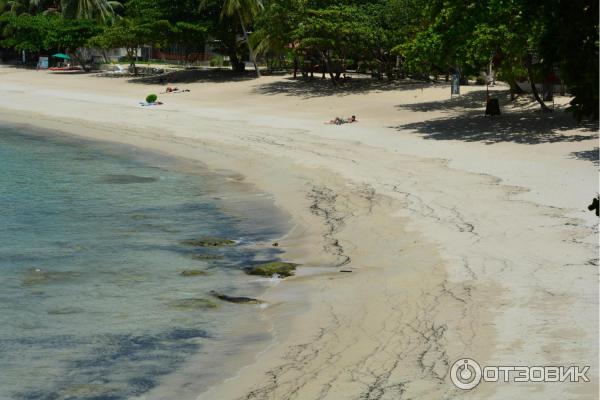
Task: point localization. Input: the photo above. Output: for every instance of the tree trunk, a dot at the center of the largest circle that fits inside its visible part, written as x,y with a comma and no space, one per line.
295,60
136,60
328,66
249,47
536,95
514,89
237,65
131,56
295,66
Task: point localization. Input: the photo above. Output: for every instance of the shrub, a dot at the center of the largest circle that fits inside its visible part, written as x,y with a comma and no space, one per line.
216,61
151,98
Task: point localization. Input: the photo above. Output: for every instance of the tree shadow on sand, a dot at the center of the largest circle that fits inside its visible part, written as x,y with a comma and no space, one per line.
469,124
317,87
194,76
472,100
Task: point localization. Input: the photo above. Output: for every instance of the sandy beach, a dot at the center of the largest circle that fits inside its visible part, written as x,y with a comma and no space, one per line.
464,236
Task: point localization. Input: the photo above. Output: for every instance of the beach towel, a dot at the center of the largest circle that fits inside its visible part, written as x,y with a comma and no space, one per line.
146,104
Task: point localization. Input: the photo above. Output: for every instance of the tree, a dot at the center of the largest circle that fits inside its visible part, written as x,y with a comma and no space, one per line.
336,33
48,32
570,42
141,24
187,36
25,32
274,27
522,37
245,11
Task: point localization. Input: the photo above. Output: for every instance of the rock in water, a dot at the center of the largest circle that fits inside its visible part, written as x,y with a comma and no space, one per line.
126,179
195,256
235,299
279,268
208,241
39,277
193,272
192,304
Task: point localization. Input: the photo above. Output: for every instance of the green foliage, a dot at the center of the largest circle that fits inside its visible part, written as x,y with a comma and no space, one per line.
571,43
141,25
522,38
46,32
101,10
216,61
244,11
151,98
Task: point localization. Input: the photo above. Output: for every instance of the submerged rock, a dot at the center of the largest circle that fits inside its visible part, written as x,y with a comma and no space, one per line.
65,311
204,256
87,391
194,272
193,304
139,217
208,241
279,268
126,179
235,299
38,277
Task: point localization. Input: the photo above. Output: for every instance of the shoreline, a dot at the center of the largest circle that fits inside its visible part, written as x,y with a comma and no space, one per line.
246,334
433,221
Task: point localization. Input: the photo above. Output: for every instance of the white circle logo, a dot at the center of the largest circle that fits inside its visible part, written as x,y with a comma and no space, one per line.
465,373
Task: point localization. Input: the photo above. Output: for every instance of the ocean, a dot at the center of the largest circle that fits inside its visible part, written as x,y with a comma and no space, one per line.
99,296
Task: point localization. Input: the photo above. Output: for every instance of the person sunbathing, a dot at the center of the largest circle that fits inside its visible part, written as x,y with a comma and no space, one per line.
341,121
175,90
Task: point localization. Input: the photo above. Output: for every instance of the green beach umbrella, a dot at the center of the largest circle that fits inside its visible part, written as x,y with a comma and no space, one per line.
61,55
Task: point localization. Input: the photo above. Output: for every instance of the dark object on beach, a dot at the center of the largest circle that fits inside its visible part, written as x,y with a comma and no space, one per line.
492,107
345,270
595,206
235,299
151,98
279,268
208,241
275,244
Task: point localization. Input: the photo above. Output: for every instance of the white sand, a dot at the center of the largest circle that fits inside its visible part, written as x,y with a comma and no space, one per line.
464,239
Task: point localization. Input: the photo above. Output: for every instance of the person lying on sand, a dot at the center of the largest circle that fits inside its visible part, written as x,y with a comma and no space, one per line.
341,121
175,90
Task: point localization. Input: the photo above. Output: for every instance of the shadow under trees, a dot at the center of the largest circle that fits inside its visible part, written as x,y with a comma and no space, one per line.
468,122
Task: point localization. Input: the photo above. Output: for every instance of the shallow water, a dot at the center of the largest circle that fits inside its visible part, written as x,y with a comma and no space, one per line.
93,304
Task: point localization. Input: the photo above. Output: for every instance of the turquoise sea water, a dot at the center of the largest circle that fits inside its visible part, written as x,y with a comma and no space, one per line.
92,301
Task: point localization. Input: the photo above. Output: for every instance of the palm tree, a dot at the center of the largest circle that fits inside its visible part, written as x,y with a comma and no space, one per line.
245,10
89,9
